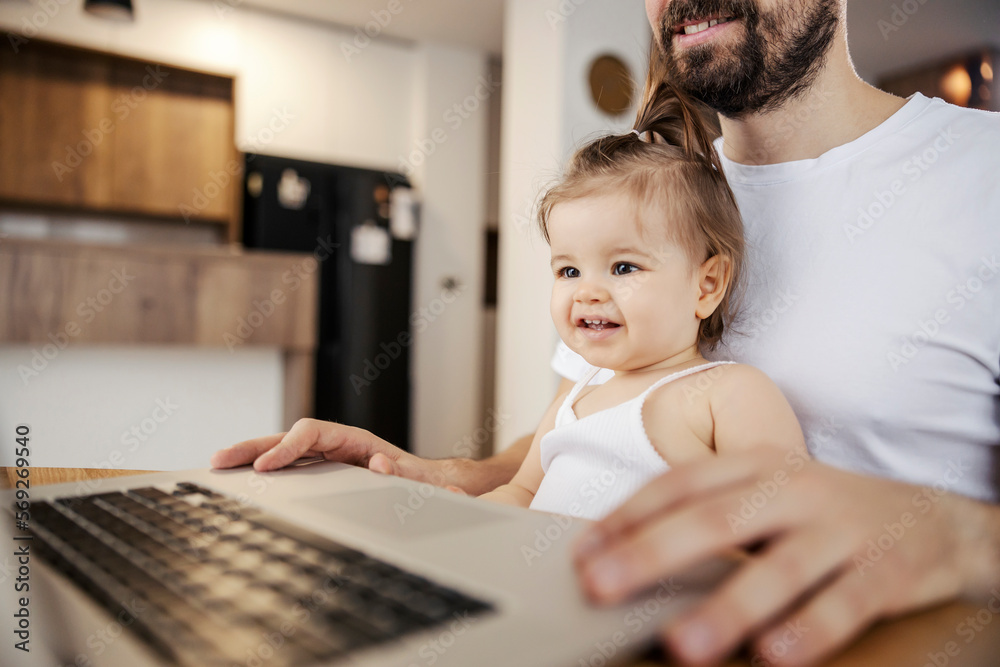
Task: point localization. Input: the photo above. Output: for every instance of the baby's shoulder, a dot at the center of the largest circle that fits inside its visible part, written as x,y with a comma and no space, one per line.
728,379
714,385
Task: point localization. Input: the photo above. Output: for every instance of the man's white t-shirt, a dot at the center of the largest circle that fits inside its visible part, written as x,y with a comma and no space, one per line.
873,297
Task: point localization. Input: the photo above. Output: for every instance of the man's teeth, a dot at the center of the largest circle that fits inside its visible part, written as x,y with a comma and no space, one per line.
704,25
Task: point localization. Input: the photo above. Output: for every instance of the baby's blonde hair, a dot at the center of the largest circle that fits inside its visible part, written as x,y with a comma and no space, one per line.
677,170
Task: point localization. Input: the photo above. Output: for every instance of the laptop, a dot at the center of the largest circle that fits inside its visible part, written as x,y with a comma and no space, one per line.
320,563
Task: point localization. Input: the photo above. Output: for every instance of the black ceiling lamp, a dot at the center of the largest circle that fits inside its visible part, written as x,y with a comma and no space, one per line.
116,10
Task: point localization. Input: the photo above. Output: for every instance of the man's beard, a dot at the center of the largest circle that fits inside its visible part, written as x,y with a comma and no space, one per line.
779,56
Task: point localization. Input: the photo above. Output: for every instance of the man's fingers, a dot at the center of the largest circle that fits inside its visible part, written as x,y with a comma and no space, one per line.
383,464
300,441
674,541
768,584
673,489
244,452
827,622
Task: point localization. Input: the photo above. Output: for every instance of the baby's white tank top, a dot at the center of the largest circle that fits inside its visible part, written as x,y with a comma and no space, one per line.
593,465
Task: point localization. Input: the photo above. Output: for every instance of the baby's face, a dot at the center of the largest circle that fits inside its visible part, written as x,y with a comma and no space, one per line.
622,299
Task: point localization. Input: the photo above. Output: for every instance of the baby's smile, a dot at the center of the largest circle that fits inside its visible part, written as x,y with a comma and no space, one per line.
596,324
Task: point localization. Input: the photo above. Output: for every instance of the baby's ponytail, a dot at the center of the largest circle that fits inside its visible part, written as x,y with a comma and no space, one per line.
668,115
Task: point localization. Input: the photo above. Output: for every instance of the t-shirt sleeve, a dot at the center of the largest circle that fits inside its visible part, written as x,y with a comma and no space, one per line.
573,367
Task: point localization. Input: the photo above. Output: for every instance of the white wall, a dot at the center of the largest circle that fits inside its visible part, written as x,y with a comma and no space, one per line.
139,408
547,112
448,162
370,110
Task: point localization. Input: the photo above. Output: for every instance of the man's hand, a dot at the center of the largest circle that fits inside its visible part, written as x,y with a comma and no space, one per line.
348,444
335,442
836,552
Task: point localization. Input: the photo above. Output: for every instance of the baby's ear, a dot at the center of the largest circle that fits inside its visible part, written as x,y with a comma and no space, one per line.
713,279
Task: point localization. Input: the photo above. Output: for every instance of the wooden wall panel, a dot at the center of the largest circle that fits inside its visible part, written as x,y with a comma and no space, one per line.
144,295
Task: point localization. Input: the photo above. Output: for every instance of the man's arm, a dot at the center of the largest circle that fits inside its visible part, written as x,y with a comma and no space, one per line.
816,570
347,444
521,490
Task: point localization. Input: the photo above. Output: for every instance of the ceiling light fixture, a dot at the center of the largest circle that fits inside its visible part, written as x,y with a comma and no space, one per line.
116,10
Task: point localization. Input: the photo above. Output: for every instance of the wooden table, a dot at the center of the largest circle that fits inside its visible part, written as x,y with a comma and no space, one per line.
917,640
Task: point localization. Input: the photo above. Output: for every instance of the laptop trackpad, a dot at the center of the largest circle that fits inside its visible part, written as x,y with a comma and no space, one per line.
403,512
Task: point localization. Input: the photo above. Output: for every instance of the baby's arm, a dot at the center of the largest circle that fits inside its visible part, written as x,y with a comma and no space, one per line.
750,411
522,488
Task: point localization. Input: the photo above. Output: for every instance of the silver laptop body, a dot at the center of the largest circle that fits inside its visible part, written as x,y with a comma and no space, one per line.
515,561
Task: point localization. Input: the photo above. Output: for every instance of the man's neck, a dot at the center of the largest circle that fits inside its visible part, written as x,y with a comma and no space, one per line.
836,109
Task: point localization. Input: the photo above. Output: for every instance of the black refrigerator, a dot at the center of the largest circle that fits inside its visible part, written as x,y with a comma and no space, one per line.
361,224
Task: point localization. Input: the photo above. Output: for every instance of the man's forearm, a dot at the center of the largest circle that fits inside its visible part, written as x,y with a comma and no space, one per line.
479,477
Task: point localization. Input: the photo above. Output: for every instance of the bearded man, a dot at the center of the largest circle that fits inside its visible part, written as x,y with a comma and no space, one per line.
872,302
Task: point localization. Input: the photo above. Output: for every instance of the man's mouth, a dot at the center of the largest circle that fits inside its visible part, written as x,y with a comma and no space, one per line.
596,324
700,25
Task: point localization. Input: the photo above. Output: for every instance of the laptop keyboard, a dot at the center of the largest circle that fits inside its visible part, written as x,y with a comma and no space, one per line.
206,580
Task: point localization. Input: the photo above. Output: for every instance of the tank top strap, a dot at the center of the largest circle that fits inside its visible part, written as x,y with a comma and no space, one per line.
641,399
565,413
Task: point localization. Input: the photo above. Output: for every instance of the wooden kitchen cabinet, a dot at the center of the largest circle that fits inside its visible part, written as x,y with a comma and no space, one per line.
49,102
88,130
174,152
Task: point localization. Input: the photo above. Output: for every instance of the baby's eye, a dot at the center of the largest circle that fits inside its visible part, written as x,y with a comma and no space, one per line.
568,272
623,268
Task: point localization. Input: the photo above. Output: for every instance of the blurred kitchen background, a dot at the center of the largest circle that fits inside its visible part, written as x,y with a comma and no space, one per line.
218,216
